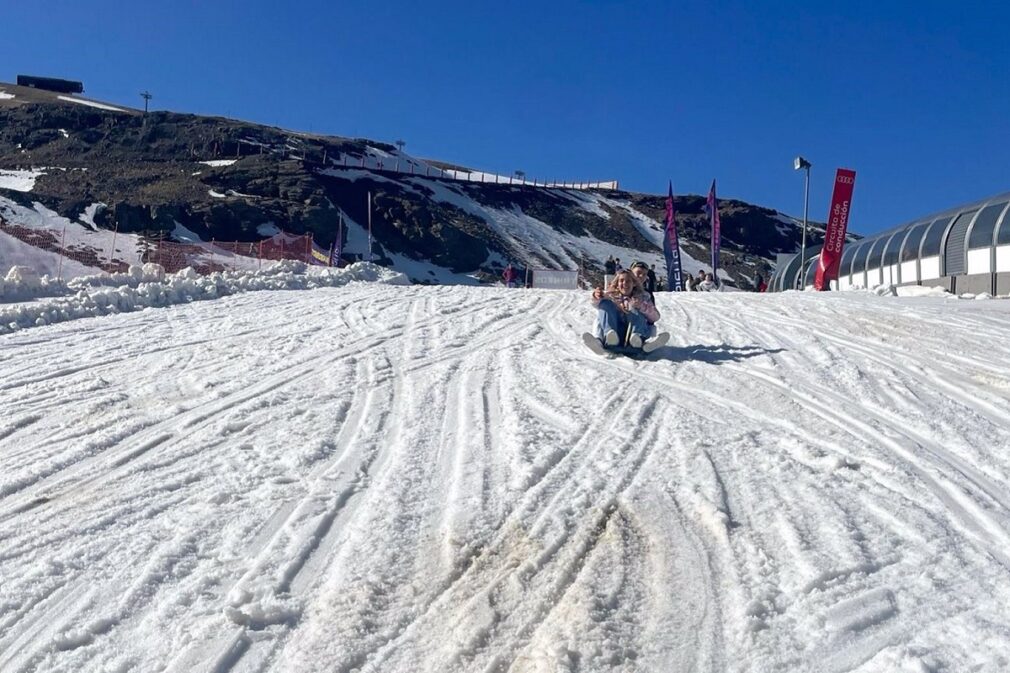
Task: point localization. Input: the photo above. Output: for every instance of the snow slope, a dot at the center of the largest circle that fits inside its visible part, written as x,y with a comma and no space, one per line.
377,478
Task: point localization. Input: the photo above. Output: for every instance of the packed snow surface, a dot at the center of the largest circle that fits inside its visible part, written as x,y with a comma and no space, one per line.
391,478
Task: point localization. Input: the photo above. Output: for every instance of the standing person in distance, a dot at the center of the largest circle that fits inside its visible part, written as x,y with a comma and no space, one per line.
509,275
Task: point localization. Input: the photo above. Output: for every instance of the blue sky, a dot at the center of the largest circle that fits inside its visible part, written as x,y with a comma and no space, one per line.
913,96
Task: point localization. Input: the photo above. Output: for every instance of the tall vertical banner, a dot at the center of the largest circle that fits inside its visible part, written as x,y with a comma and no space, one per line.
369,226
712,207
338,244
838,223
671,247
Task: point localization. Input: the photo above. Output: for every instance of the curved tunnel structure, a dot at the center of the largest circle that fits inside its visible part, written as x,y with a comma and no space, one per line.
963,249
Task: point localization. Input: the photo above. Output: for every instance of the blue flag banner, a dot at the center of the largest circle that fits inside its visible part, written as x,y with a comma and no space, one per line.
671,247
338,244
319,256
712,208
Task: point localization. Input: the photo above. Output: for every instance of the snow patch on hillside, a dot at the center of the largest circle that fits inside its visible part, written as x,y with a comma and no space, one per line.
14,252
77,236
88,216
91,103
19,180
418,271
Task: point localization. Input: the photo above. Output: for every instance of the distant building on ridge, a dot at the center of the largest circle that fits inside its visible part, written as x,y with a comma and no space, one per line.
51,84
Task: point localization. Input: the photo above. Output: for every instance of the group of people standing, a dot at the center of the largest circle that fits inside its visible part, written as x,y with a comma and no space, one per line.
705,282
647,274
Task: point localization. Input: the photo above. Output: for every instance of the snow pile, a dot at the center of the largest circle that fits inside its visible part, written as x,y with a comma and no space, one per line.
22,283
137,274
5,96
920,291
885,290
147,286
924,291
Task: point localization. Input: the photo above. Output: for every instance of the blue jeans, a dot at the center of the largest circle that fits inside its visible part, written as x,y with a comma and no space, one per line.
609,317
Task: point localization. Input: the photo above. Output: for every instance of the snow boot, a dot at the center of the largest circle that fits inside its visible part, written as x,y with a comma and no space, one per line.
656,342
593,343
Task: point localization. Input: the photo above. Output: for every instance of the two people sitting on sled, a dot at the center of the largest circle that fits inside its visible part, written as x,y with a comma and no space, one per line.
626,315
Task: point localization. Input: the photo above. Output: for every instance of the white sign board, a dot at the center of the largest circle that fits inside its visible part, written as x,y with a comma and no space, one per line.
555,280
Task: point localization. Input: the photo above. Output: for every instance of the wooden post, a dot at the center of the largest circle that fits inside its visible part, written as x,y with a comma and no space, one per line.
112,253
63,242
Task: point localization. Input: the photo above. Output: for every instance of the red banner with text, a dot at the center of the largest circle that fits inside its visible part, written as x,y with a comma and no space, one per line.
838,223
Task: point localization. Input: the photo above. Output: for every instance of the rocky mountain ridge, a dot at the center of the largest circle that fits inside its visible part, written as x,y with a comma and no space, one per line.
227,180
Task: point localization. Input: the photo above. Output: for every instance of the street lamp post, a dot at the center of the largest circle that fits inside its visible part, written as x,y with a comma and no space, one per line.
799,163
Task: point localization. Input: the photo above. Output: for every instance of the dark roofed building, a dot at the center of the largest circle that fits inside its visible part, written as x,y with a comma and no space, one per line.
51,84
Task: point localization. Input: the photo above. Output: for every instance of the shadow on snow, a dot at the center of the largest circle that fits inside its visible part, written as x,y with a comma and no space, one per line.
710,354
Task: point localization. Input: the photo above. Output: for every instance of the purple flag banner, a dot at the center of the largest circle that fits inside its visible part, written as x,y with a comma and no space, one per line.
712,208
671,247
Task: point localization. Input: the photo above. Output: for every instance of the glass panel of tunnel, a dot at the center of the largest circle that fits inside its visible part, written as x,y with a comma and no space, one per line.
873,260
811,271
1003,233
859,260
931,241
910,248
893,247
985,224
845,264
